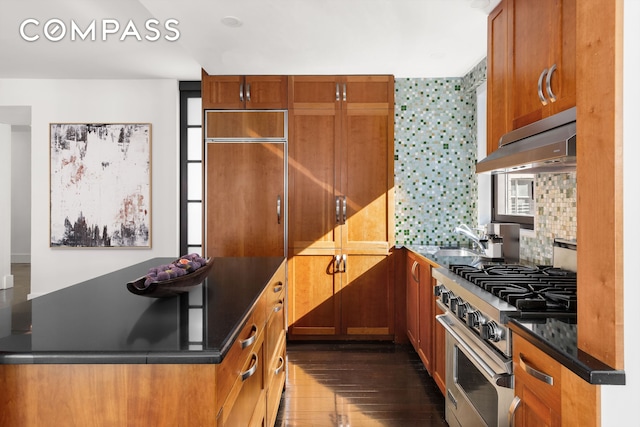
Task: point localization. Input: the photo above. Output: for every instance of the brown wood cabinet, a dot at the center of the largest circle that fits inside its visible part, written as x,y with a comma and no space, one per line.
531,63
549,394
244,92
243,390
245,199
340,205
424,332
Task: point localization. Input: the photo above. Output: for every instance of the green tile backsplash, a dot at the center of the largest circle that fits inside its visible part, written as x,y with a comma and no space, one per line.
435,182
435,152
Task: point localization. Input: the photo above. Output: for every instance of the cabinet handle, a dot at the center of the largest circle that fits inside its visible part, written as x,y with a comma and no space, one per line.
278,207
344,92
338,260
254,335
540,94
413,271
552,96
548,379
252,370
338,201
344,209
344,263
248,92
512,411
277,288
279,368
337,91
241,92
279,305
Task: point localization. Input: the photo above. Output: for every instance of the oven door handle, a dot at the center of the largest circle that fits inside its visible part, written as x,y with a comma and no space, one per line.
502,380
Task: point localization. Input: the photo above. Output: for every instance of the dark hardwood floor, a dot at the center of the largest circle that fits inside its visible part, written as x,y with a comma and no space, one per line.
358,384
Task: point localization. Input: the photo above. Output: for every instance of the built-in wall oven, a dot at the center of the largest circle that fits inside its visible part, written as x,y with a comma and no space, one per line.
477,302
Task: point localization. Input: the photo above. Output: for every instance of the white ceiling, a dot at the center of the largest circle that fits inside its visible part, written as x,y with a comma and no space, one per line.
406,38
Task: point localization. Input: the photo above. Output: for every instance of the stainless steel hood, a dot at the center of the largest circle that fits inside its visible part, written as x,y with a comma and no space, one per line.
546,146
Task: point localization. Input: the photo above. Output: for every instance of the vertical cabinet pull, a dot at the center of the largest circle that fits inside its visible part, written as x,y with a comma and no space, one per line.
344,92
552,96
539,375
341,263
241,92
413,271
512,411
248,92
540,94
344,209
337,209
344,263
337,91
278,208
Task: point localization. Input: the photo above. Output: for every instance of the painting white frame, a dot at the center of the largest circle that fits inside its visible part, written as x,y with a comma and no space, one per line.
100,185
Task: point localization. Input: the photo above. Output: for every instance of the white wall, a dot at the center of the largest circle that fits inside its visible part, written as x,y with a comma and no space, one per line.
101,101
21,194
5,207
620,404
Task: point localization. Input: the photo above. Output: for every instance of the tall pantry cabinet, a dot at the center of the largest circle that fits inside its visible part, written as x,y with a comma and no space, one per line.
340,207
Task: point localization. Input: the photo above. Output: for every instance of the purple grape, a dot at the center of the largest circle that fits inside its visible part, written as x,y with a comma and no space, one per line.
163,275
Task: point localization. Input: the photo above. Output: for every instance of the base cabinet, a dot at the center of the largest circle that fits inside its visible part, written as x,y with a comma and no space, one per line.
549,394
425,333
341,297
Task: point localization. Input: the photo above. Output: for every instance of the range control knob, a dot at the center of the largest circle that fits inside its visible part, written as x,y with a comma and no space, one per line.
444,296
463,309
438,289
474,319
491,331
453,304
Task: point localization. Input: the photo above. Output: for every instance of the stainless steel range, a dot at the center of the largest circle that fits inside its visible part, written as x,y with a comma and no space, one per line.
478,301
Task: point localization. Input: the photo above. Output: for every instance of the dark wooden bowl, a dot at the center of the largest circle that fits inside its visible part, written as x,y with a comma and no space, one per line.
171,287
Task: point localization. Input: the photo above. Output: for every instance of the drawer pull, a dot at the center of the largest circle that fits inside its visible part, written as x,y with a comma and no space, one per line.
548,379
278,306
254,335
512,411
252,369
277,288
281,367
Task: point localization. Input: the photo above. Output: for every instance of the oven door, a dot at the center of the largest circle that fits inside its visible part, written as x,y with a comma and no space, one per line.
479,381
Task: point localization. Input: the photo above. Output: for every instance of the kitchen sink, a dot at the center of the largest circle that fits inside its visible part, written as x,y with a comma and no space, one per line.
456,252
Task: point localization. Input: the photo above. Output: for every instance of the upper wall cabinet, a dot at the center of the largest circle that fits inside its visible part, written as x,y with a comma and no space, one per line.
244,92
531,63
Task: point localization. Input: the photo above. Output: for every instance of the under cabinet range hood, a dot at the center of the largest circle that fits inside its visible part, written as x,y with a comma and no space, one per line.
546,146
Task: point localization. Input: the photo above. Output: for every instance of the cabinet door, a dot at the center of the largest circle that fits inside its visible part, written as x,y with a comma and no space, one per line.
265,92
314,92
245,192
427,318
222,92
498,120
313,174
367,295
313,308
413,302
543,36
367,180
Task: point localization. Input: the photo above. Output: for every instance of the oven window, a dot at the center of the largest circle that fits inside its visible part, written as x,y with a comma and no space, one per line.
479,390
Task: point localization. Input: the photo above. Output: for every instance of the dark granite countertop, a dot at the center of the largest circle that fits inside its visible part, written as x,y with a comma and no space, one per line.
100,321
556,337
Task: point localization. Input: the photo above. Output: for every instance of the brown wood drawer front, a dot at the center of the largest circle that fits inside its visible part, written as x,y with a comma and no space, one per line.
529,364
238,356
277,376
247,391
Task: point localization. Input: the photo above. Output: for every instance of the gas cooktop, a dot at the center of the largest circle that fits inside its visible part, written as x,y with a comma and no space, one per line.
542,289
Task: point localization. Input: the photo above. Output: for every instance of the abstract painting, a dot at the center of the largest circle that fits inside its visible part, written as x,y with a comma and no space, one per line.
100,185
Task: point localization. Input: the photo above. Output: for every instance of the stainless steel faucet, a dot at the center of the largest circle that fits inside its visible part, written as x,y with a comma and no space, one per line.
466,231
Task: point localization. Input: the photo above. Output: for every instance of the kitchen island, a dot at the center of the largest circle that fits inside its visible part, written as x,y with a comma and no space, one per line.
96,354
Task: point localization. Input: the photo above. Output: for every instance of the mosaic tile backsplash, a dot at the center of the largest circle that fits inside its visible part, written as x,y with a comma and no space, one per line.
435,154
435,180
